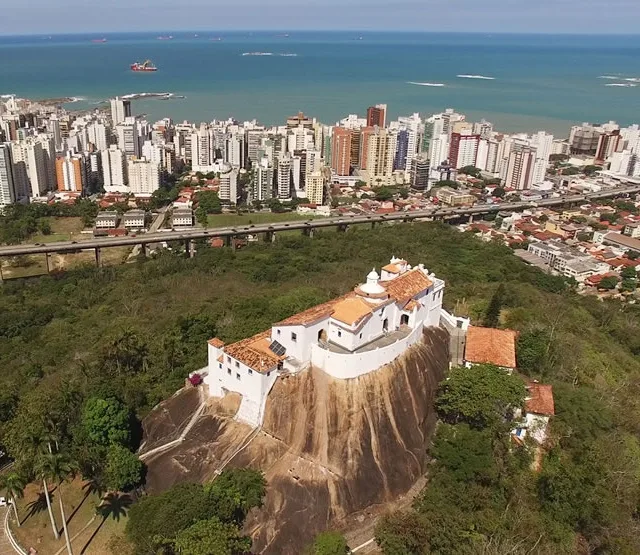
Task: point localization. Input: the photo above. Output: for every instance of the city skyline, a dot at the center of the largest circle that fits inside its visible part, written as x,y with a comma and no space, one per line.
494,16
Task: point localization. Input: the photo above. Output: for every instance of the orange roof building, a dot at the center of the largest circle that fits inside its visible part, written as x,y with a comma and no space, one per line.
346,337
491,346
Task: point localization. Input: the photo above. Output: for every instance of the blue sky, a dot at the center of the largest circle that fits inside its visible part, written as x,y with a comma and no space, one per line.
514,16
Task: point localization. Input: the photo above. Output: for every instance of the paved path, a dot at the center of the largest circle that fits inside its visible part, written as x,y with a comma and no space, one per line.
6,547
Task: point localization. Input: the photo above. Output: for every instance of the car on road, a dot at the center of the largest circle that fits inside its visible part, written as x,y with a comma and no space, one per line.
74,242
3,502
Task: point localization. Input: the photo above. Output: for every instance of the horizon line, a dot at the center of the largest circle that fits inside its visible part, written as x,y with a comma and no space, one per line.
322,30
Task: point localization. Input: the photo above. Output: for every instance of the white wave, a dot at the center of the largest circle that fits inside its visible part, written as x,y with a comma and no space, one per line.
76,99
621,85
7,95
612,77
257,53
632,79
465,76
287,55
426,84
135,96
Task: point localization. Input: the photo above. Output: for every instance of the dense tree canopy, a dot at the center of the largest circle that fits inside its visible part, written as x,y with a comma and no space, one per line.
483,395
329,543
107,422
124,470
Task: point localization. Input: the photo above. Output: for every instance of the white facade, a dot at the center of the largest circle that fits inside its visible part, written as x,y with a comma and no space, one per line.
347,337
128,137
144,176
31,174
284,177
114,169
543,143
229,186
120,109
439,149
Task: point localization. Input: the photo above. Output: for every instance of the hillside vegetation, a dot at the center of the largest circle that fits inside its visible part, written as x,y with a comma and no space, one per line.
132,333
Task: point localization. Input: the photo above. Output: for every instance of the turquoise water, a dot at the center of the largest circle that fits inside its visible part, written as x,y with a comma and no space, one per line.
541,81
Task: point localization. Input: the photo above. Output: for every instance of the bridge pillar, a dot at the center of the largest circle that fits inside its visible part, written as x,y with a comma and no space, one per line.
187,248
373,225
229,242
98,259
1,276
308,231
192,249
270,236
470,218
342,228
143,249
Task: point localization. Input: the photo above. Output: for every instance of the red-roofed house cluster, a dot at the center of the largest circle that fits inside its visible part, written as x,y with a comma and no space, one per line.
346,337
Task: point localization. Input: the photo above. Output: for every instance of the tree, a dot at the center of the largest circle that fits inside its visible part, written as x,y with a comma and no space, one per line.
59,468
403,533
383,194
236,491
470,170
275,205
611,217
498,192
628,285
591,169
201,216
533,349
482,396
124,470
629,272
207,537
492,315
570,171
13,485
107,422
446,183
608,283
329,543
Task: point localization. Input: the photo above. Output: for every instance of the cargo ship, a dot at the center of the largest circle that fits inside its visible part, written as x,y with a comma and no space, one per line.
99,40
145,66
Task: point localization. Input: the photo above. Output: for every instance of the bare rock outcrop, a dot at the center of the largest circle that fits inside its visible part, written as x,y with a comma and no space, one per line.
328,448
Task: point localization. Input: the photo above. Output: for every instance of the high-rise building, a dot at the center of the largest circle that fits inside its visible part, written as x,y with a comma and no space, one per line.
543,143
520,167
31,175
53,127
377,115
381,149
314,190
439,150
621,163
7,187
71,173
229,186
114,168
402,150
583,139
128,139
144,176
420,172
284,177
463,150
202,149
363,157
120,110
235,150
97,134
607,144
262,187
341,151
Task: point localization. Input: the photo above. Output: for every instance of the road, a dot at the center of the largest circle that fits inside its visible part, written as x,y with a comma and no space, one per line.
342,221
155,225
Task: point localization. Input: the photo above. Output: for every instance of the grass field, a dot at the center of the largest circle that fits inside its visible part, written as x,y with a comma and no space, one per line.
222,220
89,532
62,229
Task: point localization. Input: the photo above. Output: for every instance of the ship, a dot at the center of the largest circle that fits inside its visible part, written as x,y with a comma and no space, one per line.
145,66
99,40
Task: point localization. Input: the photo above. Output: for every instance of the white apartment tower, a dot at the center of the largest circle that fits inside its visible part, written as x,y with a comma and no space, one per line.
128,140
520,167
144,176
31,174
284,177
114,168
120,110
314,190
229,186
543,143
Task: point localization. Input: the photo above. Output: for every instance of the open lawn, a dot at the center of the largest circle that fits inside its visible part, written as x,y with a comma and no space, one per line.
62,229
222,220
89,532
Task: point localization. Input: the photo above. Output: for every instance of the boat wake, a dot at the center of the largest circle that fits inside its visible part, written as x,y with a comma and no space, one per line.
484,77
284,54
425,84
621,85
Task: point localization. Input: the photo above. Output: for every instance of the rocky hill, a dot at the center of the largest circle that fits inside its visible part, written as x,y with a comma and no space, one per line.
328,448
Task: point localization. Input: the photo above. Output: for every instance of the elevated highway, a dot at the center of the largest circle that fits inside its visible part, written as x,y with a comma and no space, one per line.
342,222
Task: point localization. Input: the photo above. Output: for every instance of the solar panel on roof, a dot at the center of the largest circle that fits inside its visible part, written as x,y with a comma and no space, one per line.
277,348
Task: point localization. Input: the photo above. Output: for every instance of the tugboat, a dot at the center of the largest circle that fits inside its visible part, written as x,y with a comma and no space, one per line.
145,66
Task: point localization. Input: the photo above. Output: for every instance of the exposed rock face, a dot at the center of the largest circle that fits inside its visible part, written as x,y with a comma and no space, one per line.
328,447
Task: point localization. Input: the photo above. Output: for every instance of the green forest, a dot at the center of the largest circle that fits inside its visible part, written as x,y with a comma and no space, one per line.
87,353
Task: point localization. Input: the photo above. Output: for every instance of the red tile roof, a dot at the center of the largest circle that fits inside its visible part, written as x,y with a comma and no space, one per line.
491,346
407,285
254,352
215,342
540,399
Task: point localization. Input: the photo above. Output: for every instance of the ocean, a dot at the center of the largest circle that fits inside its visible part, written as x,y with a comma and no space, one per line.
519,82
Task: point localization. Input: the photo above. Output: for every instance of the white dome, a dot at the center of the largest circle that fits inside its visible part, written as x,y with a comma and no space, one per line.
372,287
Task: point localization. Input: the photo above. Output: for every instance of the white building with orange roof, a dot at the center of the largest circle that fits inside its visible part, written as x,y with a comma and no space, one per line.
491,346
346,337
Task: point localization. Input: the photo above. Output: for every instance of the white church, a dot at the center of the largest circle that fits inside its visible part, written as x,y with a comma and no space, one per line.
345,337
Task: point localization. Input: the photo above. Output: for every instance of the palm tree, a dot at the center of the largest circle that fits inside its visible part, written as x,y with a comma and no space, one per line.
59,468
39,446
13,484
